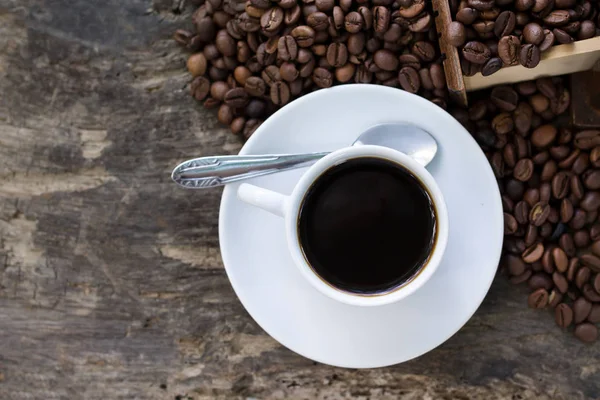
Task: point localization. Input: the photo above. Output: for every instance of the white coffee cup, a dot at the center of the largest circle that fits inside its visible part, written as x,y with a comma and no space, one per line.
288,207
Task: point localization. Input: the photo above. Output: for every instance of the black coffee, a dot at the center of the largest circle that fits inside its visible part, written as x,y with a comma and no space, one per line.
367,226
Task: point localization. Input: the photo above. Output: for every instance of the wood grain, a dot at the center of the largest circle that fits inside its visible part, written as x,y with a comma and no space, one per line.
452,69
111,282
558,60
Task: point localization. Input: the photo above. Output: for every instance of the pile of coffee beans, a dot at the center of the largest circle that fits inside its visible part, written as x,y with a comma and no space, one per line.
549,178
491,34
251,57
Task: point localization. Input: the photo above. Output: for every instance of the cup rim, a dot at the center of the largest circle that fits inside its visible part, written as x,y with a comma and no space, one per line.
297,197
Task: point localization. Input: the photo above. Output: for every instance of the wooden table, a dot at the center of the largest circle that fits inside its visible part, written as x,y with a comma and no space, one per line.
111,282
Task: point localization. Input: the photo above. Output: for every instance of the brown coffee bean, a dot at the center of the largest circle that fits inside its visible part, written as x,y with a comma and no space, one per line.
557,18
529,55
561,36
484,28
581,239
505,98
587,30
533,33
272,19
532,196
337,54
381,19
572,269
412,10
531,235
508,50
424,50
345,73
566,210
409,80
288,71
563,315
502,124
590,201
523,170
353,22
548,261
586,332
510,224
386,60
421,24
476,52
304,35
548,40
467,15
280,93
560,282
322,78
515,265
521,212
524,277
594,316
576,187
586,140
533,253
559,152
505,23
492,66
236,98
561,261
197,64
270,75
581,309
582,275
596,283
545,192
538,299
548,171
324,5
539,213
555,298
200,87
287,48
560,185
540,280
590,294
455,34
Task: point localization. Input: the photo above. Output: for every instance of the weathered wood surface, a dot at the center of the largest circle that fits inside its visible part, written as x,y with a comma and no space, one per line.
111,283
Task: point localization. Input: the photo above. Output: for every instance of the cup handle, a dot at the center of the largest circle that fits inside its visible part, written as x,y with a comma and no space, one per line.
273,202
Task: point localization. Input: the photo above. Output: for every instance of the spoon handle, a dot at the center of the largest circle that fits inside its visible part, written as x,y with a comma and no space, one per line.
207,172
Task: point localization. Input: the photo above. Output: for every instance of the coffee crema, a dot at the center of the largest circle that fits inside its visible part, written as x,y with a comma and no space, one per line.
367,226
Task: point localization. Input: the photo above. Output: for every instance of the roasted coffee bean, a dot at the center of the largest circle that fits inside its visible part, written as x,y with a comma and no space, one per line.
533,253
337,54
409,80
476,52
538,299
531,235
590,294
561,36
587,30
523,170
596,283
586,140
508,50
555,298
413,9
539,214
590,201
581,239
424,50
563,315
455,34
533,33
560,185
581,277
540,280
280,93
529,55
521,212
270,75
543,136
505,23
236,98
287,48
524,277
200,87
586,332
304,35
386,60
515,265
560,282
272,19
510,224
505,98
548,40
576,187
491,66
322,77
353,22
581,309
381,19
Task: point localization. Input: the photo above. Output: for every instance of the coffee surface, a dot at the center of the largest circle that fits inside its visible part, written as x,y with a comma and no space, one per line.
367,225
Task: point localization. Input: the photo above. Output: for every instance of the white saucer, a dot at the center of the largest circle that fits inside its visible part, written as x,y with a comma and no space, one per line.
273,290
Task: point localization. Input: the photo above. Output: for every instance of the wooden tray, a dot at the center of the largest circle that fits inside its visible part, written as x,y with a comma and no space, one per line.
558,60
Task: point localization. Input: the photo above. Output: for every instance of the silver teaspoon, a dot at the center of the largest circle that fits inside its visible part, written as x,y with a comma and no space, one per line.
213,171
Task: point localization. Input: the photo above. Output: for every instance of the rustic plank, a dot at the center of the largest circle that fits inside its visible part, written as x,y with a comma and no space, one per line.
111,283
